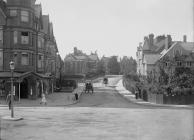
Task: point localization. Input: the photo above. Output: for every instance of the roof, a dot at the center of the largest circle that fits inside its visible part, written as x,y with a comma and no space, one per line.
93,57
73,76
174,44
81,57
151,58
5,75
160,45
38,10
189,46
46,22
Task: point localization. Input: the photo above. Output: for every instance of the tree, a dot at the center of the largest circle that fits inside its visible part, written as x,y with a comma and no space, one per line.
101,67
128,65
113,65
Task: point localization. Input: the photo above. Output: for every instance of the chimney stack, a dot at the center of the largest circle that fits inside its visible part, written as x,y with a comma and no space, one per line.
184,38
151,39
168,42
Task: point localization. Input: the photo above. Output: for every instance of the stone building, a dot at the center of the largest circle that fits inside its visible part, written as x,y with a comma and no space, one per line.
80,63
26,37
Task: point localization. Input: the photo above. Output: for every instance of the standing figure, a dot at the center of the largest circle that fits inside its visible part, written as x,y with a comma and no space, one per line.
8,100
43,100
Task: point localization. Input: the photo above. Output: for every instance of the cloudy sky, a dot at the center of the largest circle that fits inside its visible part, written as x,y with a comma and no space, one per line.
115,27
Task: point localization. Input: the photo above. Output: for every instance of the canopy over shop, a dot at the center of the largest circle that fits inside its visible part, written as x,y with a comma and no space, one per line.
26,85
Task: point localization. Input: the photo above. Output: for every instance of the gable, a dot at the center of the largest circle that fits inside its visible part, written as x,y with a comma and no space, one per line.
69,58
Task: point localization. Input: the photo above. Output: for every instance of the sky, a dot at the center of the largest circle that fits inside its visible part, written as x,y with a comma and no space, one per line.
116,27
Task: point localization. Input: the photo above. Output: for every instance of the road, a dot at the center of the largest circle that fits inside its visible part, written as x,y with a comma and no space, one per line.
103,115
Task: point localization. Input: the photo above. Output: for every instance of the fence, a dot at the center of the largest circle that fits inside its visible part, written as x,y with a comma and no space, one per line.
170,99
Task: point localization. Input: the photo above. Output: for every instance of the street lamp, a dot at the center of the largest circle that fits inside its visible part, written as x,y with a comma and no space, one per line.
12,67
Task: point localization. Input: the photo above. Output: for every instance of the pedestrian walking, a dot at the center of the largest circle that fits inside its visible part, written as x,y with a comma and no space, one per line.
8,100
136,94
76,96
43,100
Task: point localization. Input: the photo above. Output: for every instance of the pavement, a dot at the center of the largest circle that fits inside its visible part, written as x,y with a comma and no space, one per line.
131,97
55,99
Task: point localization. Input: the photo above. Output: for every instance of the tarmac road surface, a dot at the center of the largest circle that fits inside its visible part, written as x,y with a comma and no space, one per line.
104,115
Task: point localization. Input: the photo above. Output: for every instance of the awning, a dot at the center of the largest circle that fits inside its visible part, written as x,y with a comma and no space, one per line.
7,75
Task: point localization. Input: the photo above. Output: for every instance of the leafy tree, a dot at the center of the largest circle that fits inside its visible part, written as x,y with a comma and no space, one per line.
101,67
128,65
113,65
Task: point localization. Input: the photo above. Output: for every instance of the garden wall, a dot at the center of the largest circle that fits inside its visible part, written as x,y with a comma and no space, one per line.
176,99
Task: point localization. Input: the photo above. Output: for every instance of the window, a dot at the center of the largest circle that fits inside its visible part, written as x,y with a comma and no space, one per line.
24,37
15,59
1,60
179,63
25,59
24,16
13,13
40,42
40,61
15,37
1,36
188,64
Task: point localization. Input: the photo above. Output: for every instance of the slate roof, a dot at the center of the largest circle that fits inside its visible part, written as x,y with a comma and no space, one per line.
174,44
151,58
189,46
93,57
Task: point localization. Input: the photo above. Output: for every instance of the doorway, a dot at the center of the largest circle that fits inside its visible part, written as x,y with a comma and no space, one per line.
24,88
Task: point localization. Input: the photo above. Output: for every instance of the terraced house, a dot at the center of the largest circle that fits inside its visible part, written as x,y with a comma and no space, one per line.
26,37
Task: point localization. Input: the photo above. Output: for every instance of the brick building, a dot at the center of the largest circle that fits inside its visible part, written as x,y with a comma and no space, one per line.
26,37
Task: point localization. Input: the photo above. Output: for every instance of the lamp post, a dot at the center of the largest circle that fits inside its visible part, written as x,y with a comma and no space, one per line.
11,64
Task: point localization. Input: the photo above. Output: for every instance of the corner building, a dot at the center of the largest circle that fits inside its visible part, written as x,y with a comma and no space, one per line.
28,40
